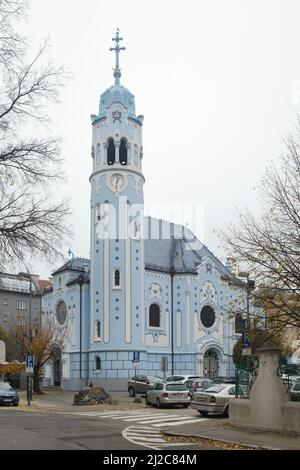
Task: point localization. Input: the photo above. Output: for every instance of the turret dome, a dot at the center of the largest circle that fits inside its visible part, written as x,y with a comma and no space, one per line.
117,94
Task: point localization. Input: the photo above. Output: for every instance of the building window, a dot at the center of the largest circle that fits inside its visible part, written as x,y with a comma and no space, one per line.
97,329
5,302
117,278
60,283
111,151
98,363
154,316
21,304
5,317
21,320
123,152
99,212
208,316
61,313
238,323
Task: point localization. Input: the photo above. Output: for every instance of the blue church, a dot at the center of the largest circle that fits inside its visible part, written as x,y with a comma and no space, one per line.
151,287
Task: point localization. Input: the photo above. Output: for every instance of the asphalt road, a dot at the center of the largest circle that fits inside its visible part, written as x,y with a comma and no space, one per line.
55,431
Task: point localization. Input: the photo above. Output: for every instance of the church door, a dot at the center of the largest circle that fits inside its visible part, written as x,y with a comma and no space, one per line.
57,372
210,364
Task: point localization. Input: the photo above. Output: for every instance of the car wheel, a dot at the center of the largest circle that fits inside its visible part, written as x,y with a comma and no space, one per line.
185,405
131,392
203,413
147,401
15,404
226,412
158,404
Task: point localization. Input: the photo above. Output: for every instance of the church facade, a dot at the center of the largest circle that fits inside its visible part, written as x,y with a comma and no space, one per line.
150,290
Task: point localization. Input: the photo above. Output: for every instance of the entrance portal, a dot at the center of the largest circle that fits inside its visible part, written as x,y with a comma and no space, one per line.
210,364
57,372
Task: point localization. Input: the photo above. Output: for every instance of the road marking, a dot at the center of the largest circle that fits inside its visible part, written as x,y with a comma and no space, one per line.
141,418
147,437
182,422
165,419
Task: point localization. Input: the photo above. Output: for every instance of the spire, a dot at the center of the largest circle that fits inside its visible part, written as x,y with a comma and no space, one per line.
117,49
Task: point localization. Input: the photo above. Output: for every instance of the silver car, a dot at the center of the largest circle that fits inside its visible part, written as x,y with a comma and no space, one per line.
295,391
214,400
168,394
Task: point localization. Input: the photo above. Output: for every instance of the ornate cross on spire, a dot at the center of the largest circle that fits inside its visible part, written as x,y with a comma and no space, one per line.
117,49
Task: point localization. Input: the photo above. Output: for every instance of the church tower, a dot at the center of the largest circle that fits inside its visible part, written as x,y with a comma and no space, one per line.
117,254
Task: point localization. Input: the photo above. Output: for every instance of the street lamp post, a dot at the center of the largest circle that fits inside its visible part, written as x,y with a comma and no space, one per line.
29,378
250,285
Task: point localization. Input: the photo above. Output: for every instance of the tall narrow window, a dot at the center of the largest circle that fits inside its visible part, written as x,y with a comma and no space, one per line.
117,278
99,212
238,323
123,152
97,329
98,363
154,315
111,152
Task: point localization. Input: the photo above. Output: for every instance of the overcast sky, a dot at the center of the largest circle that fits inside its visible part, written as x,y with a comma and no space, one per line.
216,80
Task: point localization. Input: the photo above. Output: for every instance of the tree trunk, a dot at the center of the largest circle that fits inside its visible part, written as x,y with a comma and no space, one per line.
36,380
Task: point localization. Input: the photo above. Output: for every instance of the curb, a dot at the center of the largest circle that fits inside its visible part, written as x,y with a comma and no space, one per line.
225,441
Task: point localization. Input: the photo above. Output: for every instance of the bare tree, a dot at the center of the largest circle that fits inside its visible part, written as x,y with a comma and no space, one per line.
47,344
30,223
269,246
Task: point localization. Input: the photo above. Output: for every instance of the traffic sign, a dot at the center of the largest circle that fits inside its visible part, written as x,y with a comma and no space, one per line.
29,361
246,352
136,365
29,364
136,356
245,339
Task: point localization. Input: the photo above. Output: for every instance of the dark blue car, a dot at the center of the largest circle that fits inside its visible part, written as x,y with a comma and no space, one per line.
8,396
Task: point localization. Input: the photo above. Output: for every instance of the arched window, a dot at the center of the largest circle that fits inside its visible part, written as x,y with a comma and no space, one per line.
238,323
111,151
123,152
98,363
117,278
97,329
154,315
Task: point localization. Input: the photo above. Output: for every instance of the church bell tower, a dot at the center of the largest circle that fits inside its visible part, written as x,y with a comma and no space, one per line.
117,253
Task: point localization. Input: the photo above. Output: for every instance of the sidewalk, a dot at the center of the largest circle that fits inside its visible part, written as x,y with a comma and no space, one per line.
61,401
220,431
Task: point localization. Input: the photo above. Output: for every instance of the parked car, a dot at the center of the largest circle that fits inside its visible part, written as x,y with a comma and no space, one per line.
198,384
8,396
214,400
224,380
295,391
141,384
182,378
168,394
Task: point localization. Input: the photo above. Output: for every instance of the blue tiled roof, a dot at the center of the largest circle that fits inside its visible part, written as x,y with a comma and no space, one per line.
170,245
76,264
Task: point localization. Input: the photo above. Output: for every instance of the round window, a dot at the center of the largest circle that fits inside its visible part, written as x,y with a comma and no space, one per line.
61,313
208,316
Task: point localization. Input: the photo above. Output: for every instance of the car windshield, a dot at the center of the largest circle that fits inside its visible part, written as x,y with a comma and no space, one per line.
154,379
216,389
5,386
204,384
175,387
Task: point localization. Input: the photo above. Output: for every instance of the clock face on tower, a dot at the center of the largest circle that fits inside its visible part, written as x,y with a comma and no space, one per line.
117,182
